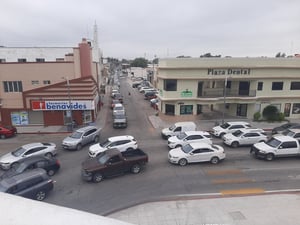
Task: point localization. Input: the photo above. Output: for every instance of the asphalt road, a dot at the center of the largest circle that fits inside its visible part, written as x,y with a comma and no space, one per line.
239,172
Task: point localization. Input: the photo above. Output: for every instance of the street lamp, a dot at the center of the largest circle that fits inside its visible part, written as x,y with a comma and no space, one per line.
70,114
224,99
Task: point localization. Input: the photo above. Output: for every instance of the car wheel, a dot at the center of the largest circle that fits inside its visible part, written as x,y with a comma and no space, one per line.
129,149
78,147
49,155
51,173
14,165
214,160
96,139
2,136
182,162
221,135
269,157
98,177
136,168
235,144
41,195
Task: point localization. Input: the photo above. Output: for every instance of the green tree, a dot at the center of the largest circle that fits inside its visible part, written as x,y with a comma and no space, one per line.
271,113
139,62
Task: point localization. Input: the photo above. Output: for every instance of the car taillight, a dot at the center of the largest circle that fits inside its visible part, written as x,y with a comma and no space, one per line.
57,162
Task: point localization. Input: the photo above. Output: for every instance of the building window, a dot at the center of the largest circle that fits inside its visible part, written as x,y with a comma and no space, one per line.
60,59
277,86
40,60
170,85
12,86
260,86
186,109
22,60
46,82
35,82
295,86
2,60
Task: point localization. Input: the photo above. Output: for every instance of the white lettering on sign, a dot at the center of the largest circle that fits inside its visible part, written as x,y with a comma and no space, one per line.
228,71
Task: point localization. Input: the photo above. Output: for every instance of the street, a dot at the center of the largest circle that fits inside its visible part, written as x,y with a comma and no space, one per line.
238,172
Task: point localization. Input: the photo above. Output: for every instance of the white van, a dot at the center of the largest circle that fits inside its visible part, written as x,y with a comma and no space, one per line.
177,128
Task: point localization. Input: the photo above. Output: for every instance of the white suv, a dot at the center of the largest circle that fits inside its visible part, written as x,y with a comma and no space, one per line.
189,137
246,136
229,127
122,143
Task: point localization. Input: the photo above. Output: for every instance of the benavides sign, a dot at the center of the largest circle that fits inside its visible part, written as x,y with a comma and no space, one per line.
61,105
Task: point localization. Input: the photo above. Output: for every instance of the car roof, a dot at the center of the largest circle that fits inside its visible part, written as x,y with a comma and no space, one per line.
121,137
196,132
118,105
284,138
83,129
295,130
237,122
247,130
31,145
8,182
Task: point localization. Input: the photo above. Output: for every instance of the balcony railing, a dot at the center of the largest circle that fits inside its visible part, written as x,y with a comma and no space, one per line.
219,92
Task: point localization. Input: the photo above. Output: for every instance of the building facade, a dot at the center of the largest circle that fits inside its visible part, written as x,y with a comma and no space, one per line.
235,86
50,86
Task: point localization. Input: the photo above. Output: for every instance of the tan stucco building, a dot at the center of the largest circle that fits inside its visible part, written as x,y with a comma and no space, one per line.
196,85
39,85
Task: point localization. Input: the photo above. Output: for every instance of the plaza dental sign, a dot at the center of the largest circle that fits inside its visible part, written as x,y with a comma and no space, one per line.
230,71
61,105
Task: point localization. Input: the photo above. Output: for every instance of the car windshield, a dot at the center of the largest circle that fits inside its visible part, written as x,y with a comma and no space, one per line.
237,133
225,125
119,116
187,148
76,135
103,158
273,142
215,147
289,133
118,108
20,168
181,135
105,143
18,151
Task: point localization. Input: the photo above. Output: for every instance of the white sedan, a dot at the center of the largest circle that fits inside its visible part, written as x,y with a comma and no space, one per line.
196,152
189,137
10,159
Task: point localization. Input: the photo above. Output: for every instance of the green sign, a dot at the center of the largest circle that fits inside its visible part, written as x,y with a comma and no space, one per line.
186,93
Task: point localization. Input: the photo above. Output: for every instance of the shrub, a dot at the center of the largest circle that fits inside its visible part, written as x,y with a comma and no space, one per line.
271,113
256,116
281,116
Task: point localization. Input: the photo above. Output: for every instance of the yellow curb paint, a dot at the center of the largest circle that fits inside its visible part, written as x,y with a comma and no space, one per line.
232,181
242,191
222,172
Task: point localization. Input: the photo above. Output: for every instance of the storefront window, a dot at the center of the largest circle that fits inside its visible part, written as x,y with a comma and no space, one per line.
186,109
87,117
19,118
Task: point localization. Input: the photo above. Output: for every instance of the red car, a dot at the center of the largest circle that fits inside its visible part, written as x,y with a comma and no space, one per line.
7,131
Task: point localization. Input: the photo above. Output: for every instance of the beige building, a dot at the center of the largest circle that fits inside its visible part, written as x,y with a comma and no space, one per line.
197,85
50,86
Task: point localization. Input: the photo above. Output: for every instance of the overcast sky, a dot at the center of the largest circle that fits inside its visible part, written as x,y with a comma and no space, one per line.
165,28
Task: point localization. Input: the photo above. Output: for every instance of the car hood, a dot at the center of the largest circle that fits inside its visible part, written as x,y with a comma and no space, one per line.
173,139
91,164
9,158
218,128
96,148
262,146
229,136
166,131
177,152
70,140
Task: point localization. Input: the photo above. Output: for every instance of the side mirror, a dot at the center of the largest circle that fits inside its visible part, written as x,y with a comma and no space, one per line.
191,153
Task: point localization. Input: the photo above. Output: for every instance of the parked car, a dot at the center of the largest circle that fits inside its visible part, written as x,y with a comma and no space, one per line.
246,136
295,133
122,143
34,149
283,127
113,162
229,127
277,146
189,137
81,137
119,121
196,152
7,131
142,89
114,102
119,97
154,103
119,109
114,91
177,128
150,95
51,165
34,184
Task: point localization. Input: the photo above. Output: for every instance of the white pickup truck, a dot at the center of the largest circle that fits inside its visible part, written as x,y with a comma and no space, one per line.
277,146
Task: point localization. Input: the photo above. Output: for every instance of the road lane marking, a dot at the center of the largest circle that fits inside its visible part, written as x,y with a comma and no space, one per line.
223,172
243,191
232,181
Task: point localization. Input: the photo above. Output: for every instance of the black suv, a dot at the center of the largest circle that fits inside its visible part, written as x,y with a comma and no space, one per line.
51,165
34,184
